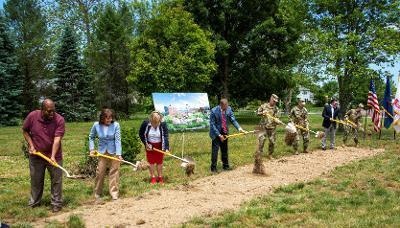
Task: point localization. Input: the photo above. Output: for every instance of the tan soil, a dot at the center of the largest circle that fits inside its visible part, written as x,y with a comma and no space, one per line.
213,194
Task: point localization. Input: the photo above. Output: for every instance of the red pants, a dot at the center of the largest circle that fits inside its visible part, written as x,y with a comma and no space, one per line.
154,157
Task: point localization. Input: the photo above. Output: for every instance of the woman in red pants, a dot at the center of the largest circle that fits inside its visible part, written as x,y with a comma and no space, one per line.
154,134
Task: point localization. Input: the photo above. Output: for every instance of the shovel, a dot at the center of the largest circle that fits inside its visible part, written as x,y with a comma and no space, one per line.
140,165
239,134
58,166
318,134
188,163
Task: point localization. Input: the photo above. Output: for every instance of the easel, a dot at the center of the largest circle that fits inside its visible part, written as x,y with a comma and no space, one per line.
183,143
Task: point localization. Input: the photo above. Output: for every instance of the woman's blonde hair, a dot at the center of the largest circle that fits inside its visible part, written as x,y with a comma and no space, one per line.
155,116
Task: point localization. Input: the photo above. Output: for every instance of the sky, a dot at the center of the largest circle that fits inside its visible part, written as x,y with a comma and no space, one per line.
180,100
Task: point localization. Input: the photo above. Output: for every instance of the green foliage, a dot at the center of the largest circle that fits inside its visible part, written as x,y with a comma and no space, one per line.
87,165
110,58
269,68
131,143
74,91
11,81
172,54
256,43
29,26
348,37
323,94
75,221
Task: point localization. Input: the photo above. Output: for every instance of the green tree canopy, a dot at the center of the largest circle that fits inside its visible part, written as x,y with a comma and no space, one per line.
110,57
11,81
30,30
172,54
349,37
74,94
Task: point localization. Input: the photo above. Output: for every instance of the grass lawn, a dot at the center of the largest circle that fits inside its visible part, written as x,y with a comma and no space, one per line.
360,194
14,172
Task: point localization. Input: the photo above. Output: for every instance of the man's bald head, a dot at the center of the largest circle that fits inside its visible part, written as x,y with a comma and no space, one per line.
223,103
48,109
47,103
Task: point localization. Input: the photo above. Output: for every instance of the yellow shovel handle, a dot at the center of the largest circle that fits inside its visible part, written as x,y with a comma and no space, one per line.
238,134
277,120
97,154
46,158
305,129
169,154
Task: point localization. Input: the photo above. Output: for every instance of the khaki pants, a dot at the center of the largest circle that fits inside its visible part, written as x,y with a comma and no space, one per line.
113,185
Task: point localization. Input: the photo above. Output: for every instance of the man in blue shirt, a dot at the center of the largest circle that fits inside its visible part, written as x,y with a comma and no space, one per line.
218,128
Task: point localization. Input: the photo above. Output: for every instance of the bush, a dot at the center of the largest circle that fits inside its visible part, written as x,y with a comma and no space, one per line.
131,144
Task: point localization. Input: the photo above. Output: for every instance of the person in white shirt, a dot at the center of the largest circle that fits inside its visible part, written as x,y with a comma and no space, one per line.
154,134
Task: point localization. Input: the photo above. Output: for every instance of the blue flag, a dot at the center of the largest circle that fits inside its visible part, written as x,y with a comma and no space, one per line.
387,104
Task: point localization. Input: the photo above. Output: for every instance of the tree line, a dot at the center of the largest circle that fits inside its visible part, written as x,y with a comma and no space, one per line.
86,54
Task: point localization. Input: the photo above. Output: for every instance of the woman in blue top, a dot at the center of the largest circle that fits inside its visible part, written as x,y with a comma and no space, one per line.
109,134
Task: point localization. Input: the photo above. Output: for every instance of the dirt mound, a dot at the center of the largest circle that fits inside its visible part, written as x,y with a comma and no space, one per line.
213,194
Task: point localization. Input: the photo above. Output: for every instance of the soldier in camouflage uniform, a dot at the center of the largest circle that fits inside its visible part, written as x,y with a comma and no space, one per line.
268,124
354,116
299,116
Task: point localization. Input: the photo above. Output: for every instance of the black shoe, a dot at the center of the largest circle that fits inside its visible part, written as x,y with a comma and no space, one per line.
214,170
227,168
323,148
56,209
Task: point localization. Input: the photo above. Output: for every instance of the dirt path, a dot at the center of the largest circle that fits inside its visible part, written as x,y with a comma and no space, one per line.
213,194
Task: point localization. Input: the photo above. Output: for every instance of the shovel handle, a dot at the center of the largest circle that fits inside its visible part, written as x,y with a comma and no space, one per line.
46,158
305,129
55,164
238,134
276,119
169,154
97,154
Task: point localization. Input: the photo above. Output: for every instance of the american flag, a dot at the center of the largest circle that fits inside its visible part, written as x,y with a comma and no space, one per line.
373,103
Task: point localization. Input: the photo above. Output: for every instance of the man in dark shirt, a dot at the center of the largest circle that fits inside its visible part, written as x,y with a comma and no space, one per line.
43,130
330,113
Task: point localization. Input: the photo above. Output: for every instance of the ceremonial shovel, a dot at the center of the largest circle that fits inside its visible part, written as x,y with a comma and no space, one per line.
58,166
140,165
188,163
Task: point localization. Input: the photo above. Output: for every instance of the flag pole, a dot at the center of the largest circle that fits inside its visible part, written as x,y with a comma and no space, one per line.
365,123
380,127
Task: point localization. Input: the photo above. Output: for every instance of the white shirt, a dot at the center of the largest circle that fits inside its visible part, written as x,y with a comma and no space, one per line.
105,129
332,109
154,135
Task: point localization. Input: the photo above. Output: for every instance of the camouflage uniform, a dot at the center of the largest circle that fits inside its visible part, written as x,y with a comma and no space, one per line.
299,117
268,126
354,116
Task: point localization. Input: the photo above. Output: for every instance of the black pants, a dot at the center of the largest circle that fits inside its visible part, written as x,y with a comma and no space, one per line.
216,144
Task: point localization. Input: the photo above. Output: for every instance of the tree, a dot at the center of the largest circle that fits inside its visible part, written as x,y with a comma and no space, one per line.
172,54
11,81
74,93
269,54
111,59
350,36
29,27
229,21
